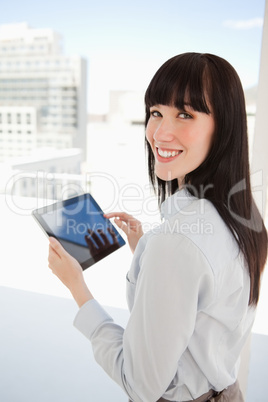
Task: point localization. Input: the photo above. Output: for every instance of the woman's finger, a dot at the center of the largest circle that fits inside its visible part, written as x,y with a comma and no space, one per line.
122,225
51,252
121,215
57,247
129,220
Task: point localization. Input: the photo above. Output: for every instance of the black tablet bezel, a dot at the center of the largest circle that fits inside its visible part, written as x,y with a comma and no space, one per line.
38,214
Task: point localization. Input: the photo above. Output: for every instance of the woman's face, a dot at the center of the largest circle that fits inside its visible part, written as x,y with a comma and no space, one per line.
180,140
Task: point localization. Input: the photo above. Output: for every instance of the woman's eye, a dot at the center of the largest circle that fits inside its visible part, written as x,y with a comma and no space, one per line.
155,113
185,115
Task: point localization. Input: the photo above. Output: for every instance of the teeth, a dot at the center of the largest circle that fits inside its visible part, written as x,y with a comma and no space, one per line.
168,154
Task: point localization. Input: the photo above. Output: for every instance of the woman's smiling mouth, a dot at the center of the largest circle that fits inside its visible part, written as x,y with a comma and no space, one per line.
167,154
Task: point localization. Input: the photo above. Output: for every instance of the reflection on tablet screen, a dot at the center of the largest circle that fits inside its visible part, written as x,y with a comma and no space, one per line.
79,225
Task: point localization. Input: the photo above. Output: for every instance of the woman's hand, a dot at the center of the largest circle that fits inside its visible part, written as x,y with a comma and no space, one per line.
69,271
131,226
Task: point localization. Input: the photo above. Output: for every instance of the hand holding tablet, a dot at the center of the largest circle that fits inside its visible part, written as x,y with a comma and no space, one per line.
79,225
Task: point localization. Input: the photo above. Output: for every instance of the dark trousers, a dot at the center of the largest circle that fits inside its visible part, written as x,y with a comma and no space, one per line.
230,394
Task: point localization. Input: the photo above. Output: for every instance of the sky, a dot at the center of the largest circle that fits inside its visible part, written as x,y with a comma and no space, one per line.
126,42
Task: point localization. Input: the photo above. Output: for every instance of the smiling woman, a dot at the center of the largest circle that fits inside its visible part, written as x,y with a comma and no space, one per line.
191,291
180,140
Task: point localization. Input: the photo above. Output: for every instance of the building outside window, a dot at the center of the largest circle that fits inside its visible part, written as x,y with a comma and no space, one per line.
51,71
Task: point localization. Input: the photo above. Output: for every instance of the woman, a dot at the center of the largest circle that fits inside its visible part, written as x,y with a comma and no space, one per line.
194,282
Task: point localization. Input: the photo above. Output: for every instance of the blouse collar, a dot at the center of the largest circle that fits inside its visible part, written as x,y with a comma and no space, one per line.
176,202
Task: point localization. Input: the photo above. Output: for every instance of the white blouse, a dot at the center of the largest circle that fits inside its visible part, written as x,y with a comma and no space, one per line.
188,292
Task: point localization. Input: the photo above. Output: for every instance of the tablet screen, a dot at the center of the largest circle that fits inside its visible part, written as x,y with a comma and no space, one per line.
78,223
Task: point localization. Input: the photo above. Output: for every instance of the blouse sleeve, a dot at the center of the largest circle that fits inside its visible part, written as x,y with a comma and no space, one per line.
174,282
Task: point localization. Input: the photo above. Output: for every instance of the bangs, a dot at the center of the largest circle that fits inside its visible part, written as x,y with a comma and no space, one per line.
180,81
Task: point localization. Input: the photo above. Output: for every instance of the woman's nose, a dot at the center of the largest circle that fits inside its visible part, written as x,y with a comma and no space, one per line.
164,132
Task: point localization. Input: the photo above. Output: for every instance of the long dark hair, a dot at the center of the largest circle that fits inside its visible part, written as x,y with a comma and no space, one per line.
223,178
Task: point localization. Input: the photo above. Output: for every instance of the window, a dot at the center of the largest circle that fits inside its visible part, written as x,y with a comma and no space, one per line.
9,118
18,118
28,118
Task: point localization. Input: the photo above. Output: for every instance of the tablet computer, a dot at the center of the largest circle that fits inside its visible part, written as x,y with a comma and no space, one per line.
79,225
